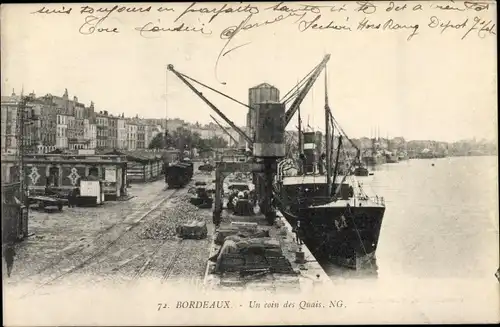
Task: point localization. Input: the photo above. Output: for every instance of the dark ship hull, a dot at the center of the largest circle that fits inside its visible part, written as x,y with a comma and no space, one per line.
390,158
345,232
361,171
374,160
350,242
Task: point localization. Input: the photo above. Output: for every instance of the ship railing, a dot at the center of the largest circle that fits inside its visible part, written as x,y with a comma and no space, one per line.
379,200
281,171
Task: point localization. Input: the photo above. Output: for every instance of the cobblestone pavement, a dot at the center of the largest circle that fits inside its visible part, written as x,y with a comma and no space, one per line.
119,241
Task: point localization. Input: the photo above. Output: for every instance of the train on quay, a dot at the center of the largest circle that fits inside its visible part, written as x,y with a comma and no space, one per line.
178,170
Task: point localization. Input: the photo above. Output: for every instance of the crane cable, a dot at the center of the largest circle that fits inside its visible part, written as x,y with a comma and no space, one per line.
290,94
341,130
292,90
216,91
294,94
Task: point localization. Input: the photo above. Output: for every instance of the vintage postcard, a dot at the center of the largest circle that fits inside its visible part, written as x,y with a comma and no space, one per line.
249,163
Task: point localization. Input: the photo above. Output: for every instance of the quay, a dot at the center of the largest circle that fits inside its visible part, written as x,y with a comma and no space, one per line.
142,243
292,267
306,275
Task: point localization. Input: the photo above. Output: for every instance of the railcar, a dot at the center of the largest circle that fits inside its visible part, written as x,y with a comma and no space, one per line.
179,174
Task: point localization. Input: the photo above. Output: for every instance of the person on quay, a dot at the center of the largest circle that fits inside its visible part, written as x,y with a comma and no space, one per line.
9,258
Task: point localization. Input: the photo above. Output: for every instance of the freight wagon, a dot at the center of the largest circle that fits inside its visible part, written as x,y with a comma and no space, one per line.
179,174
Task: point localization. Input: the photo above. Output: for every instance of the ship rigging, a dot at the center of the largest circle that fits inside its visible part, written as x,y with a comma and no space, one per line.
334,217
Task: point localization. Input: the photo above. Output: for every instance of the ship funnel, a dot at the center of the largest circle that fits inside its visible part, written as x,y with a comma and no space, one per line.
312,147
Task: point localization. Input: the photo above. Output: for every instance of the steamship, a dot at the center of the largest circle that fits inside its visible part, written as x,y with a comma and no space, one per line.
327,205
375,158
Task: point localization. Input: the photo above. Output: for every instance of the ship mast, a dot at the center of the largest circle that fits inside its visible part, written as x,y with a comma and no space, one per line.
327,140
301,146
300,130
166,110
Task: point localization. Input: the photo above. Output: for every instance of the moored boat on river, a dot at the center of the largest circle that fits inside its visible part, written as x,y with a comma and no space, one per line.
328,207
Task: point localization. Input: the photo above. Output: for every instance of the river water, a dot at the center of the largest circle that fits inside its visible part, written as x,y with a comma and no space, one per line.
439,220
436,260
440,228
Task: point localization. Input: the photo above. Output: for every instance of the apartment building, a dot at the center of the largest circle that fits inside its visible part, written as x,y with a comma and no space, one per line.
9,123
48,121
141,135
9,106
131,135
122,132
93,139
76,133
112,142
173,124
212,130
148,135
62,120
102,129
70,107
68,124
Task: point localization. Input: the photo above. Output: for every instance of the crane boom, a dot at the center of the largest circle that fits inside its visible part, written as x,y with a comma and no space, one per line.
212,106
302,94
228,134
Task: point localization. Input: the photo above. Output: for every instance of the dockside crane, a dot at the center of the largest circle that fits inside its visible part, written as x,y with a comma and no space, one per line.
185,78
224,130
297,92
267,149
302,93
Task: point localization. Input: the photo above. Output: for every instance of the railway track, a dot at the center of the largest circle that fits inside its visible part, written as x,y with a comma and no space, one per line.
100,234
131,221
166,273
173,260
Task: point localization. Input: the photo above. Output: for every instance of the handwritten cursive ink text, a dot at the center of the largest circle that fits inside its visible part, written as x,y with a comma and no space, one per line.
305,25
224,9
391,25
119,9
44,10
366,7
435,22
182,27
483,28
393,7
92,24
465,5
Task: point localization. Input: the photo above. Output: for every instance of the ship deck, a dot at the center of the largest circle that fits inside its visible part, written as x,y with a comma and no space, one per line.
360,198
308,179
308,275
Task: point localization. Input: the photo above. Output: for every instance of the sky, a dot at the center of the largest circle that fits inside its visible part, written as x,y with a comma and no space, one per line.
434,86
